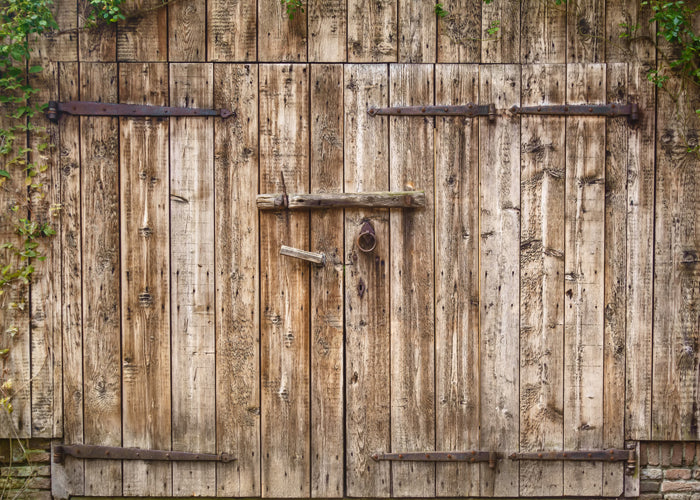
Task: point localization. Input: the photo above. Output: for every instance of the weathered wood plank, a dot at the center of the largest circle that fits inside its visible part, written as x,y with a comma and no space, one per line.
284,286
503,45
279,37
499,208
60,45
412,284
457,283
187,31
232,30
584,267
145,280
459,33
585,31
327,30
144,37
380,199
675,409
367,297
97,44
629,36
372,30
542,184
417,32
543,36
640,257
327,374
237,275
615,282
99,152
193,336
71,303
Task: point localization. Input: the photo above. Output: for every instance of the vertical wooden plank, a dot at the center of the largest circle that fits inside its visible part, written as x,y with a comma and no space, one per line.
459,33
192,278
144,37
585,31
327,30
585,239
187,31
615,259
280,38
640,257
457,283
45,297
145,280
542,279
62,44
499,208
372,30
417,35
367,297
72,305
629,36
284,287
543,36
412,284
97,44
676,270
99,150
237,275
232,30
326,173
503,45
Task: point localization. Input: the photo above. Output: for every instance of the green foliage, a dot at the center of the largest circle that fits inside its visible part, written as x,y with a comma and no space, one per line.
440,10
493,29
292,6
108,11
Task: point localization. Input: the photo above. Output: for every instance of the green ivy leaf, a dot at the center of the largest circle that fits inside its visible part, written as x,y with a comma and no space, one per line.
5,173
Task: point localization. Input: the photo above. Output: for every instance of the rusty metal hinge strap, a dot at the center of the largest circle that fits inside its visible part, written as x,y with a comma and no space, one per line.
611,455
467,110
441,456
630,110
87,108
118,453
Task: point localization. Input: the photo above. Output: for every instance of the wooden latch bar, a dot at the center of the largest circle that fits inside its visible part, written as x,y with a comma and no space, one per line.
394,199
441,456
117,453
318,259
469,110
88,108
630,110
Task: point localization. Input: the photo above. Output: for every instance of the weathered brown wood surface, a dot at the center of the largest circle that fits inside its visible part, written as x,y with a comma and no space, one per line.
324,201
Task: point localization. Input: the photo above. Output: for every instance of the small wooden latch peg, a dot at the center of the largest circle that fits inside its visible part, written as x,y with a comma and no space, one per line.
318,259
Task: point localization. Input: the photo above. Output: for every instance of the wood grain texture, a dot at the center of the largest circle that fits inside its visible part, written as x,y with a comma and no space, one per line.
237,281
499,208
585,287
459,33
675,409
367,332
585,31
99,152
372,30
629,36
232,30
62,44
543,35
640,258
193,336
412,284
503,46
323,201
543,155
417,32
280,38
284,285
327,234
45,297
615,279
71,303
145,280
457,280
97,44
187,31
145,36
327,30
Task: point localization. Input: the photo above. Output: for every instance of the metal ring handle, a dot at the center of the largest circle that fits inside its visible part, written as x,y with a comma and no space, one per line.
367,239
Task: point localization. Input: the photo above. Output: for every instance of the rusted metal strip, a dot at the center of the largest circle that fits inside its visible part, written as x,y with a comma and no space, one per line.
87,108
441,456
630,110
611,455
393,199
467,110
116,453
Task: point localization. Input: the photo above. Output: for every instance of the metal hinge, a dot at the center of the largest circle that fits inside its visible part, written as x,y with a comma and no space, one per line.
116,453
87,108
630,110
441,456
467,110
611,455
